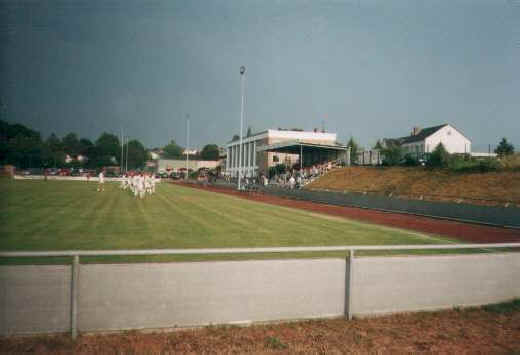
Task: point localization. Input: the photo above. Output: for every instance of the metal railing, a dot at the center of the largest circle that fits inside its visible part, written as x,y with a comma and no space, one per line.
351,249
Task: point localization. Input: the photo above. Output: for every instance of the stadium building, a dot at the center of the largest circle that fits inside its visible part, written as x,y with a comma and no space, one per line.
290,147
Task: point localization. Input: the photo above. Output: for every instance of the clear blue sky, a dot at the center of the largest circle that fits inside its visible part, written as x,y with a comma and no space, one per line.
366,68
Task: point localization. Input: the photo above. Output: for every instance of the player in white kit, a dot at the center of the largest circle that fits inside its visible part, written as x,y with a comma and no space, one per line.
153,183
101,181
141,186
147,184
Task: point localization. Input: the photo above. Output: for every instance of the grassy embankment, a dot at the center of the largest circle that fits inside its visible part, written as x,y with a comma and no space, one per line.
492,188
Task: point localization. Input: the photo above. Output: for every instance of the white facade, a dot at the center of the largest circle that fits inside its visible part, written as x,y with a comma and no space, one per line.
175,165
249,164
452,140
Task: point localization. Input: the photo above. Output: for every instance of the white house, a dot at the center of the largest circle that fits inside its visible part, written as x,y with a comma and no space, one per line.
425,140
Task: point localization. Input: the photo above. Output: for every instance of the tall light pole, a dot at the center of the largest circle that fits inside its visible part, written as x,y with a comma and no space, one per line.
126,166
242,79
122,153
187,143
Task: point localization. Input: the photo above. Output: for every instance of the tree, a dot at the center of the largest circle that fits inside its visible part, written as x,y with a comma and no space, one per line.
20,146
173,150
71,144
236,137
84,146
378,145
209,152
440,157
249,132
392,154
107,149
354,147
504,148
136,154
54,143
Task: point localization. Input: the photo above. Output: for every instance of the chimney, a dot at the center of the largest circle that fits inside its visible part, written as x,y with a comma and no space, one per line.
416,131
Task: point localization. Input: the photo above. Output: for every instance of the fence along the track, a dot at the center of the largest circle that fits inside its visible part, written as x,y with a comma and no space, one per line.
155,295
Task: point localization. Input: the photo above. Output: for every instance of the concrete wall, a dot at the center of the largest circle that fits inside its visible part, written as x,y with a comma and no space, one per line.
36,299
172,164
397,284
187,294
71,178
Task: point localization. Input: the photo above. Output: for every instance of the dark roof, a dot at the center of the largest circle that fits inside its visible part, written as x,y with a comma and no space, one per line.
422,135
295,147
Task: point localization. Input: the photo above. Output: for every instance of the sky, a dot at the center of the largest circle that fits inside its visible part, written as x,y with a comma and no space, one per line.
362,68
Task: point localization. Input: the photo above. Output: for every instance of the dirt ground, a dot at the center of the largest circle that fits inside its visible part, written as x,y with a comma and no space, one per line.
468,331
463,231
493,188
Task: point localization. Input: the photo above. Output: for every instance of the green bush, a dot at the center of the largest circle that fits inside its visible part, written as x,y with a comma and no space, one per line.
392,154
475,166
410,160
439,158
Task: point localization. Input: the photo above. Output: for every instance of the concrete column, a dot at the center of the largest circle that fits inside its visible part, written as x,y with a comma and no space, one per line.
74,297
227,159
247,156
232,160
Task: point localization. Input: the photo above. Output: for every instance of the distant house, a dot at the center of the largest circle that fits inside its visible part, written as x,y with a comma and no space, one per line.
79,158
155,155
425,140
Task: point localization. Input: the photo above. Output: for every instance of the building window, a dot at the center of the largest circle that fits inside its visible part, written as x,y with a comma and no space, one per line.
275,159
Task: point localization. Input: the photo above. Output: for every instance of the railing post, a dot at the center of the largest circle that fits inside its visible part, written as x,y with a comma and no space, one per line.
74,297
350,283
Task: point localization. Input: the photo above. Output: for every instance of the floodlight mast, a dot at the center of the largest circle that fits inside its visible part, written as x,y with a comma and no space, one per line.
187,143
242,78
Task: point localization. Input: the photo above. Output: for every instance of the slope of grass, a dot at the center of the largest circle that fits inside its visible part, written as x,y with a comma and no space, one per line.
62,215
482,188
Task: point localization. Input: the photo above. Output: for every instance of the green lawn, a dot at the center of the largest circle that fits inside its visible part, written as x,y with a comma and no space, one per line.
63,215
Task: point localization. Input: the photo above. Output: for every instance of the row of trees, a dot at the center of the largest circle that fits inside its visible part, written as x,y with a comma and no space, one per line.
24,148
174,151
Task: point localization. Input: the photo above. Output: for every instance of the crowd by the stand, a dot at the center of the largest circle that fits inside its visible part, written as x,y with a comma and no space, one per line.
139,184
296,178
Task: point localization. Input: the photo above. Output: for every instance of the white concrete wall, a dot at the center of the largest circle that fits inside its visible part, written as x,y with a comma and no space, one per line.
165,164
189,294
397,284
36,299
453,141
71,178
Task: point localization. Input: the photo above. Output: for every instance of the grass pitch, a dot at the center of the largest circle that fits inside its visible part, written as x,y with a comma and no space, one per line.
66,215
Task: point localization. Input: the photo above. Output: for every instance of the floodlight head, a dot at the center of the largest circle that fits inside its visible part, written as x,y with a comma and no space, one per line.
242,70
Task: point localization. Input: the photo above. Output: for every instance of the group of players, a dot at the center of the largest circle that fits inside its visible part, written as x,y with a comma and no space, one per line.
140,184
